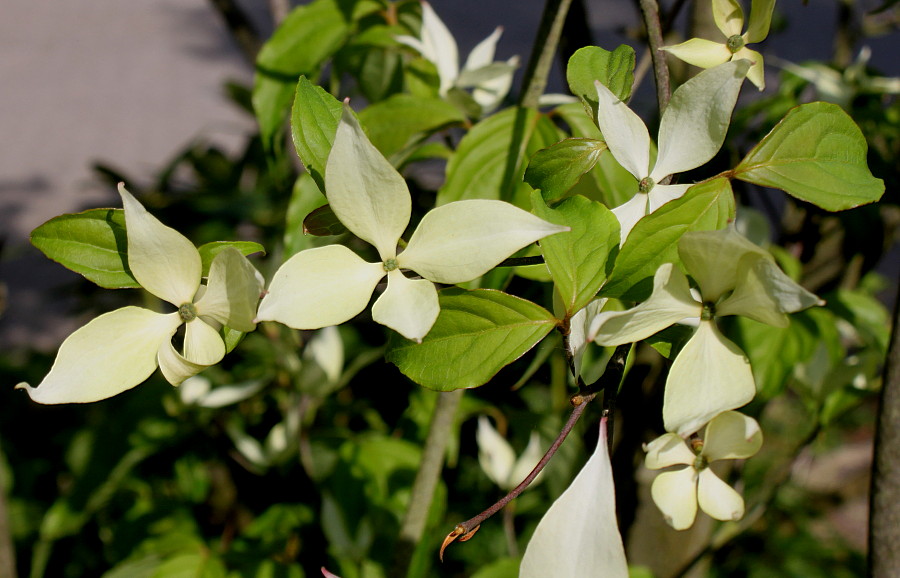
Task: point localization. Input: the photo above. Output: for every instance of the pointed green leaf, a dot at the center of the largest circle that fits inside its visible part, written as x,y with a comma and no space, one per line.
301,45
557,168
581,259
404,119
491,158
209,251
314,122
654,240
816,154
92,243
614,69
609,182
476,334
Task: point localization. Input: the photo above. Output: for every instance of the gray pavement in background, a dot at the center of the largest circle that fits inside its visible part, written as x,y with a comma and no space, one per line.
129,83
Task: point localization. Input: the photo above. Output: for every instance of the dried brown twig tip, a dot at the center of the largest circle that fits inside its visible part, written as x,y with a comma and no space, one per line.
459,533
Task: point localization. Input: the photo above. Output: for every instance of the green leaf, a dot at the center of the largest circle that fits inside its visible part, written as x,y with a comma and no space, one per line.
476,334
557,168
670,340
404,119
92,243
209,251
775,352
654,239
322,222
314,122
614,69
609,183
581,259
816,154
491,158
301,45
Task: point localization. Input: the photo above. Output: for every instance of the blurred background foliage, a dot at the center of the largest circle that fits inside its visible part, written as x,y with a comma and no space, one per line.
299,451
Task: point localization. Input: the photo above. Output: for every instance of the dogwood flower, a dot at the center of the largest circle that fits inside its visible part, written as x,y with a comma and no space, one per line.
729,436
729,18
453,243
691,132
120,349
735,277
579,535
498,460
490,81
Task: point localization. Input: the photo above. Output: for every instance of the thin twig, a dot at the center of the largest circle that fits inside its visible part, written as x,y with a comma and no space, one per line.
609,383
650,12
541,60
422,494
465,530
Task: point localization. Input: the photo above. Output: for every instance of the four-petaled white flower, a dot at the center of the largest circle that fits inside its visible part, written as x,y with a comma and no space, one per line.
453,243
120,349
729,18
498,459
729,436
490,81
691,132
735,277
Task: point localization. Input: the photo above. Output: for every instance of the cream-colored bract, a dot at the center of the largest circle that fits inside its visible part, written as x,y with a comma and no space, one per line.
691,132
579,535
730,435
453,243
490,81
734,277
729,18
120,349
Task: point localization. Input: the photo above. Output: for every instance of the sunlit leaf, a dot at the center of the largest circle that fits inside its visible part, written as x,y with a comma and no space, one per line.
476,334
579,260
314,122
816,154
92,243
557,168
209,251
614,69
654,240
491,158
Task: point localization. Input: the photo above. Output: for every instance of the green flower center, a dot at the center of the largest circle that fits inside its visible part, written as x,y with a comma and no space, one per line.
735,43
646,185
708,312
700,463
390,265
187,312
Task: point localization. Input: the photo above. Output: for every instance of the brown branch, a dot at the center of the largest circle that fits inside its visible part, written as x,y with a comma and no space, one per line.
884,501
650,12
